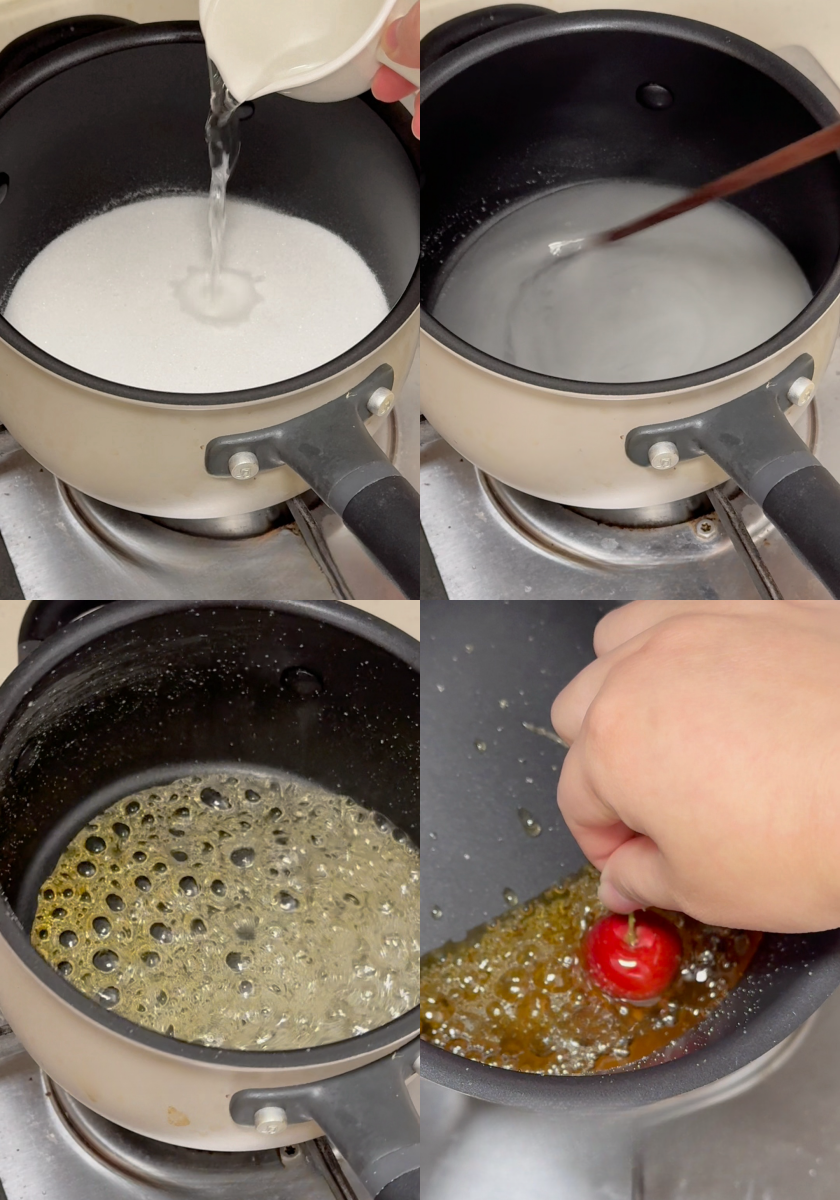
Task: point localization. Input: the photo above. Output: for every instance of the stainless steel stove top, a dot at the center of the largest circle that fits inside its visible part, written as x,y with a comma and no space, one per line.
780,1140
491,542
63,544
51,1147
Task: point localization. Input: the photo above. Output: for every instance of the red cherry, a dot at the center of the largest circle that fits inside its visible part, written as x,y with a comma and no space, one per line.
633,963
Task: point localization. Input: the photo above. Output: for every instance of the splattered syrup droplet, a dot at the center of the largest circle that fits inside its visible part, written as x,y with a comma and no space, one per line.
529,822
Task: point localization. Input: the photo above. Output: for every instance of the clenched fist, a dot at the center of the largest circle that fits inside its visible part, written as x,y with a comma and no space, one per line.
704,769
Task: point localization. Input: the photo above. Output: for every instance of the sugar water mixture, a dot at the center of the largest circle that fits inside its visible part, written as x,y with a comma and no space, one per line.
116,296
246,912
681,297
516,993
141,296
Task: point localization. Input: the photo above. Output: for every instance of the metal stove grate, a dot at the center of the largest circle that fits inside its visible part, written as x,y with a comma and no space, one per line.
52,1146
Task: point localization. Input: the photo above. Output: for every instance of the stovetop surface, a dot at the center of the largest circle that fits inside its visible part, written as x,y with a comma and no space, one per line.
41,1156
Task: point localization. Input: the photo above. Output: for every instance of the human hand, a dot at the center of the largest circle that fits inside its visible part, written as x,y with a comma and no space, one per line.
704,769
401,42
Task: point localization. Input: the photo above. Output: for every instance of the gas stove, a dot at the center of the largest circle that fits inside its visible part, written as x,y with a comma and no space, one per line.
52,1146
60,542
492,542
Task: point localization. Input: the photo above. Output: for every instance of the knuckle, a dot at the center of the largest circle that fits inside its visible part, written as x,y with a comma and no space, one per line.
558,716
607,631
687,636
605,719
674,636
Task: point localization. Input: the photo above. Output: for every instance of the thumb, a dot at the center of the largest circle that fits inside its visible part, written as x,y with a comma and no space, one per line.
401,39
635,876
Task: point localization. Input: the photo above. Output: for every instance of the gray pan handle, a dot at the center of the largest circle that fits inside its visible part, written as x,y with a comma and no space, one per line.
332,451
367,1114
752,439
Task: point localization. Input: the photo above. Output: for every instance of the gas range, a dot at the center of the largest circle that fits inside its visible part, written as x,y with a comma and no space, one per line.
59,542
52,1146
492,542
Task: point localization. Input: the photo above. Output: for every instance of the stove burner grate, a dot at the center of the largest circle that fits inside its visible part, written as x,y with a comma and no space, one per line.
688,531
305,1172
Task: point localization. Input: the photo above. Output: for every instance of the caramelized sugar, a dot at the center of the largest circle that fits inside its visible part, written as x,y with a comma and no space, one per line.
515,992
247,911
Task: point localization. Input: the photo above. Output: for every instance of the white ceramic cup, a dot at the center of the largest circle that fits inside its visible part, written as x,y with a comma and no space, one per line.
263,46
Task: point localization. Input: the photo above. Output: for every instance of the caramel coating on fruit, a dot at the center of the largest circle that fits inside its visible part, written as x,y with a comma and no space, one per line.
515,993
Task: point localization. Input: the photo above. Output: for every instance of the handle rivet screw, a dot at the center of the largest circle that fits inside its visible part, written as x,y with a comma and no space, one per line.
801,391
381,402
663,456
270,1120
244,465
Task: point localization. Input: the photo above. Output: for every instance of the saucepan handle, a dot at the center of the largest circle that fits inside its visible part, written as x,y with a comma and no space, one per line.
332,451
367,1114
752,439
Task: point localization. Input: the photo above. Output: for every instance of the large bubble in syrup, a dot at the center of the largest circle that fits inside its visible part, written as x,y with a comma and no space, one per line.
246,911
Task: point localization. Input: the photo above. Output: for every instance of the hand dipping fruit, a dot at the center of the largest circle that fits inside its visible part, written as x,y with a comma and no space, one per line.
633,958
556,986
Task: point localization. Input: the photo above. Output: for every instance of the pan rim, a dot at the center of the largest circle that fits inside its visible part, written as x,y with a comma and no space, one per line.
644,1083
702,33
67,642
135,37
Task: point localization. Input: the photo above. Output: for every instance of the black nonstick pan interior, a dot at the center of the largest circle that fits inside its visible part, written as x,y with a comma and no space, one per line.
128,121
488,670
184,690
549,101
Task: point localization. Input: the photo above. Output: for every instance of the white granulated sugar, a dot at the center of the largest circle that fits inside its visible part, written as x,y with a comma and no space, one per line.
108,296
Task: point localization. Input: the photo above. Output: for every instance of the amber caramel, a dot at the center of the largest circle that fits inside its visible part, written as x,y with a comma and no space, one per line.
515,993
